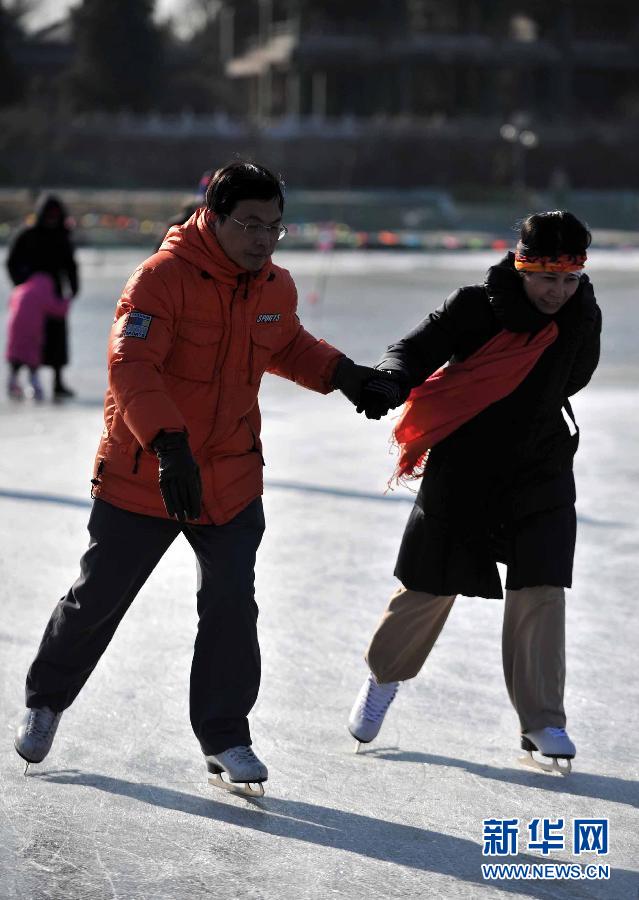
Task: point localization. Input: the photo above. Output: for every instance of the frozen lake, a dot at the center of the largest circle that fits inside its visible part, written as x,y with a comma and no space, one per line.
121,807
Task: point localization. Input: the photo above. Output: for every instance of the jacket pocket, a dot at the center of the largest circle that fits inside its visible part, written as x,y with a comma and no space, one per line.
196,350
255,440
266,341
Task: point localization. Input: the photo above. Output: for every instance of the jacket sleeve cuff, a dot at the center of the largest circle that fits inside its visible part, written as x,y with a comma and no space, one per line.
149,413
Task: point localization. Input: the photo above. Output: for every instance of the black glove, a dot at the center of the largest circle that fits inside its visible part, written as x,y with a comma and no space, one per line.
180,482
386,390
350,379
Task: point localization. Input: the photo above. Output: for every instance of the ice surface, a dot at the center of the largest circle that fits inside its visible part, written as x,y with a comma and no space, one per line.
121,807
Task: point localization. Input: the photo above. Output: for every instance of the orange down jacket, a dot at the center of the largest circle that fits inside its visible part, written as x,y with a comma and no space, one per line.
192,336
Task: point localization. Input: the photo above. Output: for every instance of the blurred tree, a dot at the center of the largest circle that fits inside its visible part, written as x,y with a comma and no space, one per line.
119,61
11,78
193,16
196,76
245,18
355,14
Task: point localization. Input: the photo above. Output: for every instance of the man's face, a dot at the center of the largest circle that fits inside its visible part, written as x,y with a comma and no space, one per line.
250,248
549,291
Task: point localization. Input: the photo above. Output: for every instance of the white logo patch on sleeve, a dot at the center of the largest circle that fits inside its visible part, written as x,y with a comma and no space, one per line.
265,318
137,324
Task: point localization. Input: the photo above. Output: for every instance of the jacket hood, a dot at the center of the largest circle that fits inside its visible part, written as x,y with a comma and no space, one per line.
195,241
45,204
508,299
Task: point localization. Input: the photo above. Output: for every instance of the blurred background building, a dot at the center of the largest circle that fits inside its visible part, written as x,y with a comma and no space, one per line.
467,101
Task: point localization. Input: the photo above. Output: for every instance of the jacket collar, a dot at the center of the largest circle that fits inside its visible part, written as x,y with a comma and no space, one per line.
196,242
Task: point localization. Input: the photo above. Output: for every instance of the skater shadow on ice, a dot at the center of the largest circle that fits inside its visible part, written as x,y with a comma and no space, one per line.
299,487
24,407
367,836
36,497
346,493
579,784
61,500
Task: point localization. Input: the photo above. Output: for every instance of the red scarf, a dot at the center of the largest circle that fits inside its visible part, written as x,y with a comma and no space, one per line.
455,394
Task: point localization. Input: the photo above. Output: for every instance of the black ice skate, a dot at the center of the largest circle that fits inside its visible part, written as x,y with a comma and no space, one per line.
551,742
34,736
242,767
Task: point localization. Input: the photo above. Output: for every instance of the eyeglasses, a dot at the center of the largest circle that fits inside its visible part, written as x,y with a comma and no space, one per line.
255,228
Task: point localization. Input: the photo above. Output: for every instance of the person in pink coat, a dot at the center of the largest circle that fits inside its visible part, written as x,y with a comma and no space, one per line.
30,304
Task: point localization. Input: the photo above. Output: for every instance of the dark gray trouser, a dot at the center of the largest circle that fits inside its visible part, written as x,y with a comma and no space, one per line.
124,549
533,647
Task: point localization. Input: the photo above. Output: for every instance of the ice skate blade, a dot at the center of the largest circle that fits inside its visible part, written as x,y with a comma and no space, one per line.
552,768
358,742
245,790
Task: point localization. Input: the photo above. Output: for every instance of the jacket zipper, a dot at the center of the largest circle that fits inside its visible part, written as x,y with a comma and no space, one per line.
223,361
136,461
240,279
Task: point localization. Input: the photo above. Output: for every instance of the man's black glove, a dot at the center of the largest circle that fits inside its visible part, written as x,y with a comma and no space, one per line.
180,482
386,390
350,379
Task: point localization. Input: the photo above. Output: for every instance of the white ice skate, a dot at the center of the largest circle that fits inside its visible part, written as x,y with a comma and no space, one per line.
369,709
243,769
551,742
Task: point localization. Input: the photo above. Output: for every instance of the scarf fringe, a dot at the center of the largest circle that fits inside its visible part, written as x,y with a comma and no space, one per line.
405,474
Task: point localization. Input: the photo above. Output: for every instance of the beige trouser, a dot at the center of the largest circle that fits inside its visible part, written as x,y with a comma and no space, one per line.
533,647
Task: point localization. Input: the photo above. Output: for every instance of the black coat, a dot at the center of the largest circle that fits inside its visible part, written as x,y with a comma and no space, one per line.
501,487
42,249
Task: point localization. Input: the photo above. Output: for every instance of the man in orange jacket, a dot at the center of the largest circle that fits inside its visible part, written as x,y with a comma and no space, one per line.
197,325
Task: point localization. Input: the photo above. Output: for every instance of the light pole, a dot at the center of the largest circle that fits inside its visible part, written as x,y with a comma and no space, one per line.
264,83
521,139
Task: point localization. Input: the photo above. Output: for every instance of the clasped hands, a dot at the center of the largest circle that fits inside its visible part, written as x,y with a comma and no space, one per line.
372,391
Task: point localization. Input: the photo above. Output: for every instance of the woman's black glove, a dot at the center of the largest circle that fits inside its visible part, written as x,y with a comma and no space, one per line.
180,482
387,390
350,379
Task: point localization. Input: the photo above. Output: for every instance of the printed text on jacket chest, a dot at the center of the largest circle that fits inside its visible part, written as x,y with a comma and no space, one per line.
267,318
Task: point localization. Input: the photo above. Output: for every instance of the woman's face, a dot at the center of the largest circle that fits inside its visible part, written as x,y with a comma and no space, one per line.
549,291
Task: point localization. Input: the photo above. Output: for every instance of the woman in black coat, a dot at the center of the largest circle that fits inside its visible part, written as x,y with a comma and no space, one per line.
46,247
500,487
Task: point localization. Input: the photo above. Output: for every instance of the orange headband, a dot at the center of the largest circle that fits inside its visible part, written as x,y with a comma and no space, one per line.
566,263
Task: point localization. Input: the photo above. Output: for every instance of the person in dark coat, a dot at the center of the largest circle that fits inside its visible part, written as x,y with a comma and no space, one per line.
46,247
497,482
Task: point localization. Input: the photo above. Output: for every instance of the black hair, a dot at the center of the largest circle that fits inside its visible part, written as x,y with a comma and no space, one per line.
240,180
553,234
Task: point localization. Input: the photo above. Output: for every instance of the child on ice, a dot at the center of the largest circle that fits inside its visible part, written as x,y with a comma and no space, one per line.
29,305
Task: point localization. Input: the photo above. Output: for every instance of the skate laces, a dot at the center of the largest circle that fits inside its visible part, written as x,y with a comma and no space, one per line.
377,699
243,754
41,722
557,732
